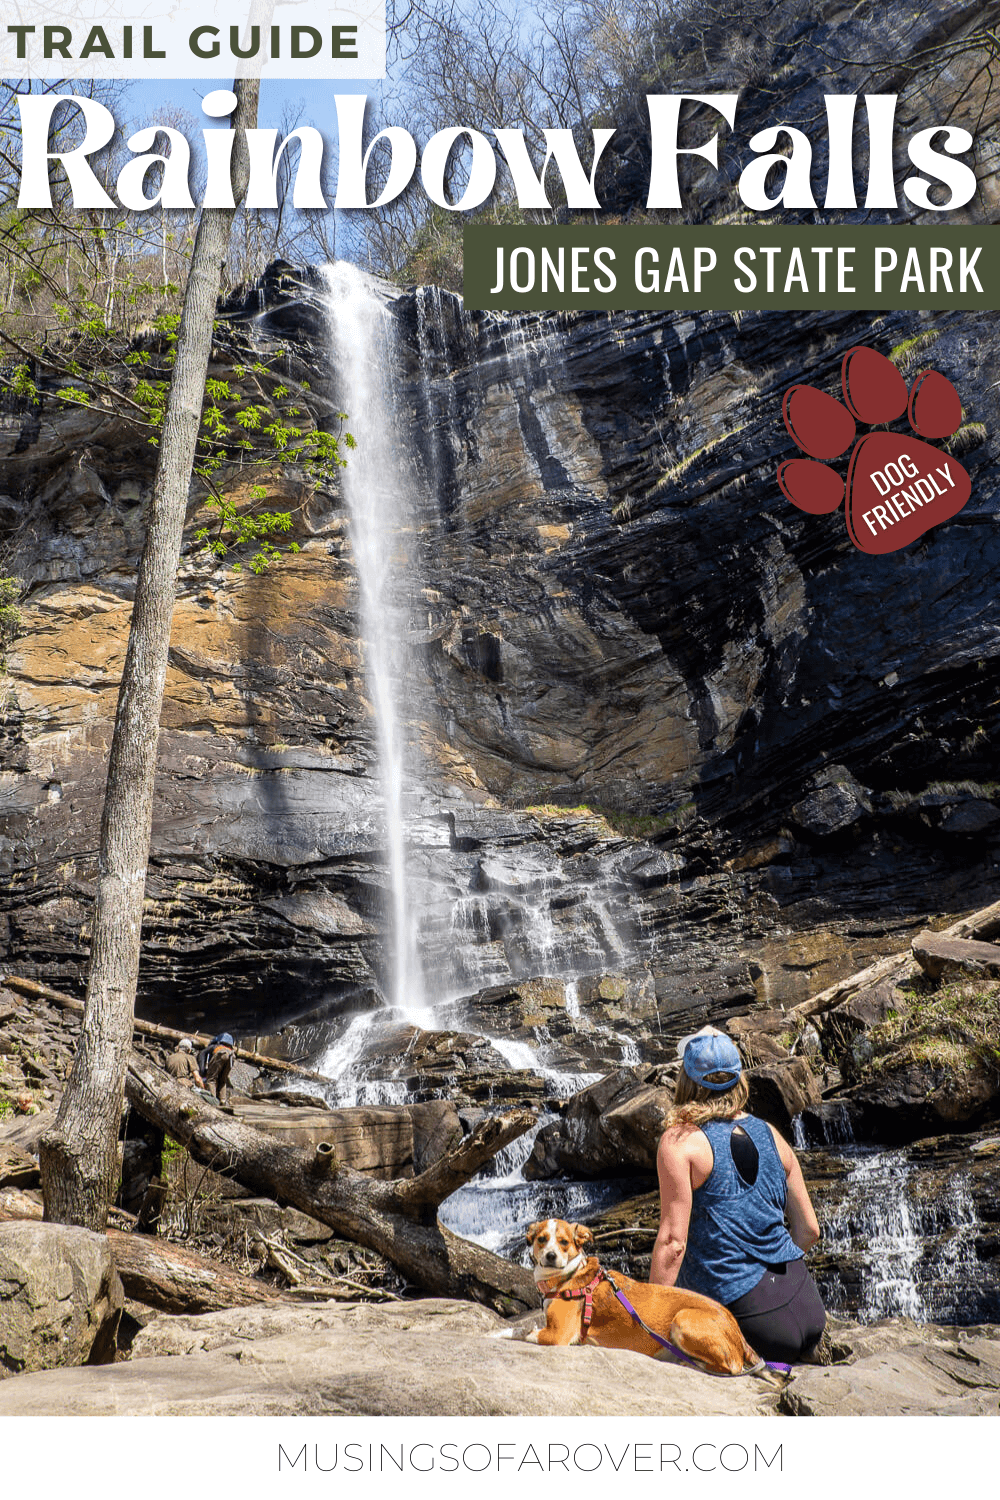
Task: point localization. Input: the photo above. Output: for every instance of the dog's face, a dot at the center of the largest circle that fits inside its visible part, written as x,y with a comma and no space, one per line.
554,1243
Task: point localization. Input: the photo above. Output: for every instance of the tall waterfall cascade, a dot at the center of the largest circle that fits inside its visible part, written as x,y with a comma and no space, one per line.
362,337
483,919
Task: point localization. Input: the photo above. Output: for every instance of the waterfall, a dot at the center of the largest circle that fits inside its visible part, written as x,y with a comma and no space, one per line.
901,1250
524,1058
493,1209
881,1223
377,491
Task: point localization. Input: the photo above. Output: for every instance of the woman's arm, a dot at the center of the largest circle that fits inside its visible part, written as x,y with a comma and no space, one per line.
673,1168
803,1225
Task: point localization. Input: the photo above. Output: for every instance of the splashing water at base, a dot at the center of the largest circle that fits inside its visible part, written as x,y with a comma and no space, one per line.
496,1207
339,1062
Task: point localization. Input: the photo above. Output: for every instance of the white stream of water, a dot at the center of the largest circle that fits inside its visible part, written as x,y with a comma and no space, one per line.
881,1221
494,1209
362,336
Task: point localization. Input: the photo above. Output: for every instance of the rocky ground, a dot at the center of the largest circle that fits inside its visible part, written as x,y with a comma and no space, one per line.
318,1323
443,1359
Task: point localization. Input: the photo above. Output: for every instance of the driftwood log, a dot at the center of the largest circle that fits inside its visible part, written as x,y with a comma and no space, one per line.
396,1218
982,925
173,1279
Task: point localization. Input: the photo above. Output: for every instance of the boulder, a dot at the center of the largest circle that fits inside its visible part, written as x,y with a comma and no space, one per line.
938,955
902,1369
611,1129
18,1168
423,1358
913,1095
758,1036
835,801
443,1358
974,816
15,1203
61,1297
781,1090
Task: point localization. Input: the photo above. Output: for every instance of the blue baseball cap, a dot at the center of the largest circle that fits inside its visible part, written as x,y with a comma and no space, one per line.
707,1054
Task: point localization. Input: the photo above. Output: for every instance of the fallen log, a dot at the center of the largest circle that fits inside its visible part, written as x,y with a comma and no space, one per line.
983,924
896,967
173,1279
396,1218
35,991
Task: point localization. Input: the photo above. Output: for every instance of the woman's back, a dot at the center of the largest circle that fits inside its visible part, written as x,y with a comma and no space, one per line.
737,1226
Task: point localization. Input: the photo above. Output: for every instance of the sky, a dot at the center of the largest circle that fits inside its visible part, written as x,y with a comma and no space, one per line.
315,97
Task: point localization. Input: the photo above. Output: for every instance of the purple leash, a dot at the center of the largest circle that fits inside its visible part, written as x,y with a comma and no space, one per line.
776,1366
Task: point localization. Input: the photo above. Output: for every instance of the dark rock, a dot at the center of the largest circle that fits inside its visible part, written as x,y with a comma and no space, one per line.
974,816
780,1091
588,675
836,801
909,1097
611,1129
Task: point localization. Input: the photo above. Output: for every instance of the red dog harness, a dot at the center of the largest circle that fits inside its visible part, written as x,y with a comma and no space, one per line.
572,1293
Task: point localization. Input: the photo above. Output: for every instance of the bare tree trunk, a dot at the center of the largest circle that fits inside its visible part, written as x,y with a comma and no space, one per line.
79,1156
396,1218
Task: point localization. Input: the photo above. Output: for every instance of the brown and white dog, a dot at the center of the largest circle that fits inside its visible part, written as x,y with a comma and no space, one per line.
702,1329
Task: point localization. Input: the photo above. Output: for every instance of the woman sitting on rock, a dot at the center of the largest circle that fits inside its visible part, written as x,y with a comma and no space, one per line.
728,1184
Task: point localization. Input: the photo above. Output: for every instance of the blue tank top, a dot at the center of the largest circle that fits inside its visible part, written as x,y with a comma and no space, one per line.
737,1231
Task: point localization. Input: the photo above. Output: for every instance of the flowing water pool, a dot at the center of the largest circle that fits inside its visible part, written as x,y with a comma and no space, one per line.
496,1207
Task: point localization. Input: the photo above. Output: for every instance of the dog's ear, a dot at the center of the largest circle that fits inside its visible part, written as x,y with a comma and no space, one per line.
582,1235
531,1230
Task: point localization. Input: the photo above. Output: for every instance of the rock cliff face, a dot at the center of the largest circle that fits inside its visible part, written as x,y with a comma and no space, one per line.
670,724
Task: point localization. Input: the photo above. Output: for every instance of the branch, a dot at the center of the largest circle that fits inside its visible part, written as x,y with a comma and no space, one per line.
365,1210
458,1166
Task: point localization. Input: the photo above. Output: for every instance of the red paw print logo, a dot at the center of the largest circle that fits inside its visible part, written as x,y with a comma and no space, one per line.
898,486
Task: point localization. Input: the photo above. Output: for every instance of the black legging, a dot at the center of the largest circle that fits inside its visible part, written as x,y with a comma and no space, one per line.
782,1317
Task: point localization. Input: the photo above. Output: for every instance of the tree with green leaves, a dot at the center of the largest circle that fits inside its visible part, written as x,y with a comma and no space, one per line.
79,1154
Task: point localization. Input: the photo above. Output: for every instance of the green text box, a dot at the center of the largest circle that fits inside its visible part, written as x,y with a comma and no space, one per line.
732,266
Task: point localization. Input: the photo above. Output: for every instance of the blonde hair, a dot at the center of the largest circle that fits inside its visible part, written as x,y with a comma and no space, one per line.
695,1105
